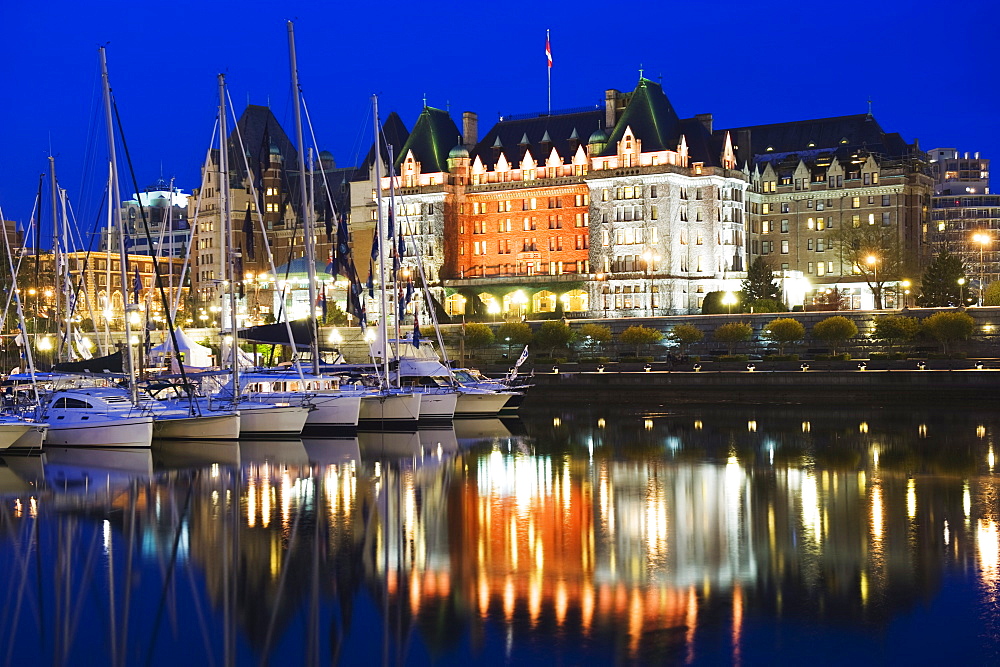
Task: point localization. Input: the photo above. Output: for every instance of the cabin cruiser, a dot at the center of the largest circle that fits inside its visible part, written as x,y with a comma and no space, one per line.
331,408
95,417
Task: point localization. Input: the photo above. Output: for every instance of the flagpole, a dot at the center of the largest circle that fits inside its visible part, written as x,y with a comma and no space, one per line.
548,69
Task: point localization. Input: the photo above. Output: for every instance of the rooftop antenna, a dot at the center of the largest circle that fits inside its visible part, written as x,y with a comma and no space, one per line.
641,70
425,100
869,106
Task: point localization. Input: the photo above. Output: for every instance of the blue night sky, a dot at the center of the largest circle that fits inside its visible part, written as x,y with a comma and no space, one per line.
931,69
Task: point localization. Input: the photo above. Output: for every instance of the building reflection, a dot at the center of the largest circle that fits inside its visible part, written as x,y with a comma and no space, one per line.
645,536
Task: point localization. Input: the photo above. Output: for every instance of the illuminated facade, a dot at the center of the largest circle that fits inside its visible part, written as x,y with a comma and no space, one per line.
811,179
965,215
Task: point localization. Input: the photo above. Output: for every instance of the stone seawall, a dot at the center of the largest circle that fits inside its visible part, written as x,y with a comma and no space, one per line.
827,387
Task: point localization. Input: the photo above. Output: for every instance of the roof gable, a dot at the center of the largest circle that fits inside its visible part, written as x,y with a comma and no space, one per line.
651,117
433,137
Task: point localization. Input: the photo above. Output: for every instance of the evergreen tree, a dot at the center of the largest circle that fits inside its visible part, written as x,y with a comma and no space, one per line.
760,282
939,285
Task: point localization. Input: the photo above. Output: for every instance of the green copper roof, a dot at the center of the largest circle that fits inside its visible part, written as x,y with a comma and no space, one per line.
651,117
432,138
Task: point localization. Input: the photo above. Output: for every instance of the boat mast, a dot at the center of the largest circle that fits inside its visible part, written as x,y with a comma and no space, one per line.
227,235
57,253
380,239
114,197
307,230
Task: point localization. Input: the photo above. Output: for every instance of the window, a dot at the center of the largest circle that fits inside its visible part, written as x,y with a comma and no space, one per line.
809,267
785,207
784,247
820,268
765,208
766,227
653,213
820,245
784,226
867,178
809,244
886,219
809,203
874,178
652,190
820,224
855,220
855,202
885,200
819,205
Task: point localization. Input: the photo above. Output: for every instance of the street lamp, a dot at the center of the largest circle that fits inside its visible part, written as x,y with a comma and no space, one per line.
982,240
961,291
728,299
872,261
906,292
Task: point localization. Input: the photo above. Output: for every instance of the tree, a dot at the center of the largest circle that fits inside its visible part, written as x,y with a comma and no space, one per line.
712,304
947,327
759,283
593,335
939,285
552,334
640,336
514,333
767,306
991,297
874,252
478,335
784,330
835,330
731,333
684,335
896,328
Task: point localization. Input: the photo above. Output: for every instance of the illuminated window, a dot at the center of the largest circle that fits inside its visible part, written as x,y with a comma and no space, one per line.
855,202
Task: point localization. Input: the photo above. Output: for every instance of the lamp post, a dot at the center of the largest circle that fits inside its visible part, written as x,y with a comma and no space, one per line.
961,291
982,240
906,292
728,299
872,261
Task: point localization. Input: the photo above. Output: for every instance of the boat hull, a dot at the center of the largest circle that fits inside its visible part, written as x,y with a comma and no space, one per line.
390,410
480,405
438,407
33,438
272,421
120,432
11,432
329,410
203,427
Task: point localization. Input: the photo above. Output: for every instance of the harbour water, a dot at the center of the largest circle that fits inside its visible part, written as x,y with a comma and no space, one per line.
574,535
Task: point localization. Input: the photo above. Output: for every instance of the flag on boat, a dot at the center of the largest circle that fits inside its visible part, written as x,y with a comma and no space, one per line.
548,49
520,360
371,280
248,233
82,345
416,332
391,224
375,247
322,301
238,270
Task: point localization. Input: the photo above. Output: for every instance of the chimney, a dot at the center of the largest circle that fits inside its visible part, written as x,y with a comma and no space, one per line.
611,108
705,119
470,128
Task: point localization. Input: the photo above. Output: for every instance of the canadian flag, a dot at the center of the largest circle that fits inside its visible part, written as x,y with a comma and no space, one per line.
548,48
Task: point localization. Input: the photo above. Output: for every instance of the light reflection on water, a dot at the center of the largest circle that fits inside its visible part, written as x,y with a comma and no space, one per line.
577,535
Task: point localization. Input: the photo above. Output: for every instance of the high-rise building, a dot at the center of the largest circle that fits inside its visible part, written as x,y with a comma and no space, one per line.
965,216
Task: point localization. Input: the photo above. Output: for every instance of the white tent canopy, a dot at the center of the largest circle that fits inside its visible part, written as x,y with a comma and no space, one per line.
195,355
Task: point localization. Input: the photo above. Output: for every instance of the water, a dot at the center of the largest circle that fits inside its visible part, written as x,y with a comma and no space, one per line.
578,535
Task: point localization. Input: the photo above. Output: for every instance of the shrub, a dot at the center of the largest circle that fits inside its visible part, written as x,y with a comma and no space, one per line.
734,357
684,335
552,334
948,327
783,331
731,333
478,335
781,357
640,336
896,329
834,331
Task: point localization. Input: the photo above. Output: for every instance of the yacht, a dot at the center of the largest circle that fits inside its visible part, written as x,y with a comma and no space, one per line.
95,417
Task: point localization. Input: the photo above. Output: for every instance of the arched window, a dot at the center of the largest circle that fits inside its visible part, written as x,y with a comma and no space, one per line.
575,301
455,304
544,302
